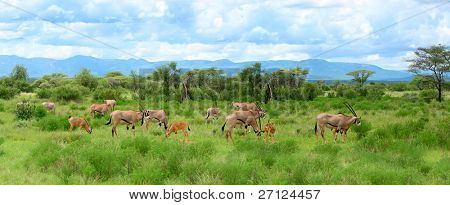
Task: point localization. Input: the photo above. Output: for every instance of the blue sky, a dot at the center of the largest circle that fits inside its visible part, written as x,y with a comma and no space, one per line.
239,30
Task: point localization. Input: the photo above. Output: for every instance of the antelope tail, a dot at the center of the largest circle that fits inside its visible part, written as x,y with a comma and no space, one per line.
189,128
109,121
70,116
223,126
207,115
315,128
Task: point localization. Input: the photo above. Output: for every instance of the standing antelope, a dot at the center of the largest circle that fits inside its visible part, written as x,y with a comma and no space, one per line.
245,106
213,111
111,103
130,117
338,123
79,122
159,115
99,108
244,117
176,126
49,106
269,131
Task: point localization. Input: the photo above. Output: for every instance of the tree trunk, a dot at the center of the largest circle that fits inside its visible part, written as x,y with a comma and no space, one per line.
440,92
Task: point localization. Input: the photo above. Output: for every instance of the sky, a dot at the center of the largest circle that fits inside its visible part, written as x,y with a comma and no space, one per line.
238,30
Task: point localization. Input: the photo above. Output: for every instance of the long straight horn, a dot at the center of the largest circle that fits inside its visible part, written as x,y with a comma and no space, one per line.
351,109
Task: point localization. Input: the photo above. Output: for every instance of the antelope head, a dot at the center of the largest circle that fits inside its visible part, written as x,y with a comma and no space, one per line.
356,119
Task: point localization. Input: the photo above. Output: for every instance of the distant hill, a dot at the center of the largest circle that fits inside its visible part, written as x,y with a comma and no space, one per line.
318,69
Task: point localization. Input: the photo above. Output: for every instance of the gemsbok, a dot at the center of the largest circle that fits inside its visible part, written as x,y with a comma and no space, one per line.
338,123
243,117
159,115
214,112
129,117
99,108
177,126
111,103
49,106
81,123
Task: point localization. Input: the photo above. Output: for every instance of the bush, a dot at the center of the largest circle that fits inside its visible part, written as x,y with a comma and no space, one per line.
310,91
428,95
107,93
44,93
410,97
375,91
52,123
68,92
362,130
40,112
24,111
8,92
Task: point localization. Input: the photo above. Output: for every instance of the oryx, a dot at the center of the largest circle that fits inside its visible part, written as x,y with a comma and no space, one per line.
130,117
159,115
111,103
241,117
79,122
339,122
49,106
213,111
99,108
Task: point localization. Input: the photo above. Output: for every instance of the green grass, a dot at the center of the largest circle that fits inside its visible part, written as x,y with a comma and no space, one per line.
398,143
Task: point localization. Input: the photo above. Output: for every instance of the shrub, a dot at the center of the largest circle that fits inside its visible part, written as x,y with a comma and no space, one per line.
68,92
44,93
24,111
107,93
8,92
40,112
52,123
310,91
362,130
428,95
410,97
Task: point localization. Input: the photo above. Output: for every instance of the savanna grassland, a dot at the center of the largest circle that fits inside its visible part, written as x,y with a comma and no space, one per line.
400,141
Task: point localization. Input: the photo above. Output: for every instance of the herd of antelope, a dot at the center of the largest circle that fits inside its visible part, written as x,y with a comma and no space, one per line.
247,114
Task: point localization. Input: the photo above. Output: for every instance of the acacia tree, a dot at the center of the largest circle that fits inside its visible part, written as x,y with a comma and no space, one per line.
433,63
360,76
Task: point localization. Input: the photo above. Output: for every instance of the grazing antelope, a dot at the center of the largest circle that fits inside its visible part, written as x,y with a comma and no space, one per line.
269,130
337,123
99,108
49,106
244,117
213,111
79,122
159,115
129,117
245,106
176,126
111,103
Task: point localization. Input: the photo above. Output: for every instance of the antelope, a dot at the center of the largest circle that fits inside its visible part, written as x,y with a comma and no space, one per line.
245,106
176,126
244,117
49,106
159,115
213,111
337,123
130,117
81,123
269,130
111,103
100,108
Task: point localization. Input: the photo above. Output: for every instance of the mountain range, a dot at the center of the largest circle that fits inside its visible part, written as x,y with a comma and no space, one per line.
318,69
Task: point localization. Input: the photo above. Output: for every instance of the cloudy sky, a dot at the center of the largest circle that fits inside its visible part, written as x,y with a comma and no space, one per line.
239,30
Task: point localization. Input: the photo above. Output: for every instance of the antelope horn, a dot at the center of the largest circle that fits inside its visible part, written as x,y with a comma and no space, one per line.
351,109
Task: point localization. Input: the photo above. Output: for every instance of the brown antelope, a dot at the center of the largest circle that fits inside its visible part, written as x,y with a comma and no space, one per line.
79,122
129,117
213,111
159,115
269,131
337,123
176,126
49,106
111,103
99,108
244,117
245,106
